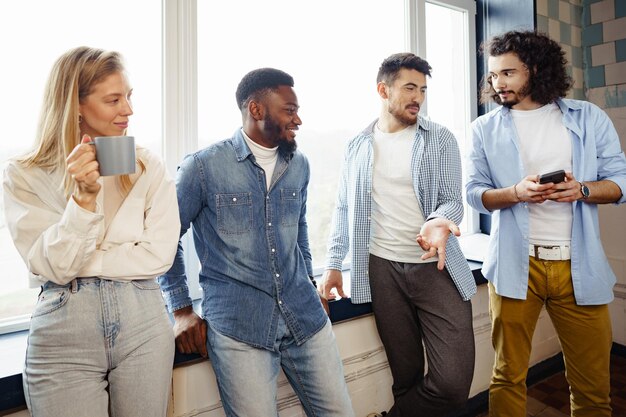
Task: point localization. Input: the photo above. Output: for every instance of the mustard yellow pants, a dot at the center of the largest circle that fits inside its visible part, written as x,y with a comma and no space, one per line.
584,333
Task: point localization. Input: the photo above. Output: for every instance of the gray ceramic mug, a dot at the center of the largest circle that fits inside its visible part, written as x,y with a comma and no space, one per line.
115,154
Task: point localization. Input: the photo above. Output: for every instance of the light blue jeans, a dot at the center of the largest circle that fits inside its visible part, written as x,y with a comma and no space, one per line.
99,348
247,376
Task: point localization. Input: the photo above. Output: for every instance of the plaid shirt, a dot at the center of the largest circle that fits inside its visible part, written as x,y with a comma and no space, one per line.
436,172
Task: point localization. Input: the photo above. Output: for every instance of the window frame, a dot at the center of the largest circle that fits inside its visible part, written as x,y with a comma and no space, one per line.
180,104
180,90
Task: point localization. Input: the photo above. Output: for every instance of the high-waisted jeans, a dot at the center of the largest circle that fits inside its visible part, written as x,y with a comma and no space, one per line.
99,348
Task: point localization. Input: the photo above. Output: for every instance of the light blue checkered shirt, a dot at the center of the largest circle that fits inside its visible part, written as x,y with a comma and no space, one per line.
436,172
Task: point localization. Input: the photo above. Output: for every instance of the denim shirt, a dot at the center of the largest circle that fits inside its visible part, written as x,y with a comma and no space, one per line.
436,174
252,244
495,162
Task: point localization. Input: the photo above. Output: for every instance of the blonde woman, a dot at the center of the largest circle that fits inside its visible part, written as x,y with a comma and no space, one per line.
100,341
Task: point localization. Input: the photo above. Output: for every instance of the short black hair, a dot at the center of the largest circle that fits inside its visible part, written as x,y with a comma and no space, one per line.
544,58
391,66
258,82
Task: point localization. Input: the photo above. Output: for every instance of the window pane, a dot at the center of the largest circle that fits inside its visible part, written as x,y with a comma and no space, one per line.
448,88
333,56
61,25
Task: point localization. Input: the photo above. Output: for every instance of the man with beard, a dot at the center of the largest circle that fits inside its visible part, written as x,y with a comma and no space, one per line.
544,248
246,199
398,206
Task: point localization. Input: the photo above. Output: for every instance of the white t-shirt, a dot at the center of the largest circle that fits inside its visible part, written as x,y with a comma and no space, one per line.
396,213
545,146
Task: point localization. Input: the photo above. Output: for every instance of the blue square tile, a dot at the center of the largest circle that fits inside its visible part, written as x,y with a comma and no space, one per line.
594,77
592,35
553,9
620,50
620,8
542,24
576,14
586,56
621,97
578,94
586,16
610,97
577,57
566,33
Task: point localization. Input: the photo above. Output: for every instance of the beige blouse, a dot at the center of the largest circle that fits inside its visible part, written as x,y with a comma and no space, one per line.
60,241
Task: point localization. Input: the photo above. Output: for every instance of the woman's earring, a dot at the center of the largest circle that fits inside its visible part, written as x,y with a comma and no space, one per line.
80,118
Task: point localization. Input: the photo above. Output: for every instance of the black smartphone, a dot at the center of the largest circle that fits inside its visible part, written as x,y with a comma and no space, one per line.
555,177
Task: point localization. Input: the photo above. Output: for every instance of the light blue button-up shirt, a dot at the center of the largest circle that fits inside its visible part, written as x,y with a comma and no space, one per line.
436,174
252,244
495,162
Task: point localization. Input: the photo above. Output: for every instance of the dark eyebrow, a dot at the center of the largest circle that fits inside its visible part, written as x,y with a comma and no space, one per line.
505,70
414,85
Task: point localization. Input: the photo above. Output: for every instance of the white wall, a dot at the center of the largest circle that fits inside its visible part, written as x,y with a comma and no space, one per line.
613,235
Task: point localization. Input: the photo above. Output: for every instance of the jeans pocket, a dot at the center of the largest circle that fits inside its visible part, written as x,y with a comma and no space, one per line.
146,284
51,299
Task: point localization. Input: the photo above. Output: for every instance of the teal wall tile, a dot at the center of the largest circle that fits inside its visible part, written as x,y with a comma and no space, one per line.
610,97
566,33
578,94
594,77
576,13
586,15
620,50
542,24
586,56
553,9
620,8
621,96
592,35
577,57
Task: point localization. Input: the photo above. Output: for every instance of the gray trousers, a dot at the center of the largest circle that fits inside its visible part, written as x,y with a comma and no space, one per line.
417,308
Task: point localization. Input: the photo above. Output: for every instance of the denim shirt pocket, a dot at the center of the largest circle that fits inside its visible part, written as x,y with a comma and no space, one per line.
234,212
290,206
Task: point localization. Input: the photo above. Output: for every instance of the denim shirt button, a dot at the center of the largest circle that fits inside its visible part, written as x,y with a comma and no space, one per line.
280,302
273,250
277,275
269,224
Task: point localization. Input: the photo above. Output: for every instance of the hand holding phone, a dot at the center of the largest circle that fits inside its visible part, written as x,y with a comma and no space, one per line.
554,177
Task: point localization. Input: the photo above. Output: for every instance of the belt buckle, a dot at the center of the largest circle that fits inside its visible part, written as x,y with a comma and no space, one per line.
551,253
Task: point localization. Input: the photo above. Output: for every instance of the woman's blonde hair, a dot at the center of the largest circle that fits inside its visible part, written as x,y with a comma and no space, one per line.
71,80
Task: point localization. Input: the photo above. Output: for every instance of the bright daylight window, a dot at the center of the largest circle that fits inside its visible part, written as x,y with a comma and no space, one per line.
451,90
333,56
62,25
332,49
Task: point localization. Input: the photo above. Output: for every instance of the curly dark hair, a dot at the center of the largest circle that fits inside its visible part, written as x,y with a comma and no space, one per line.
544,59
258,82
391,66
